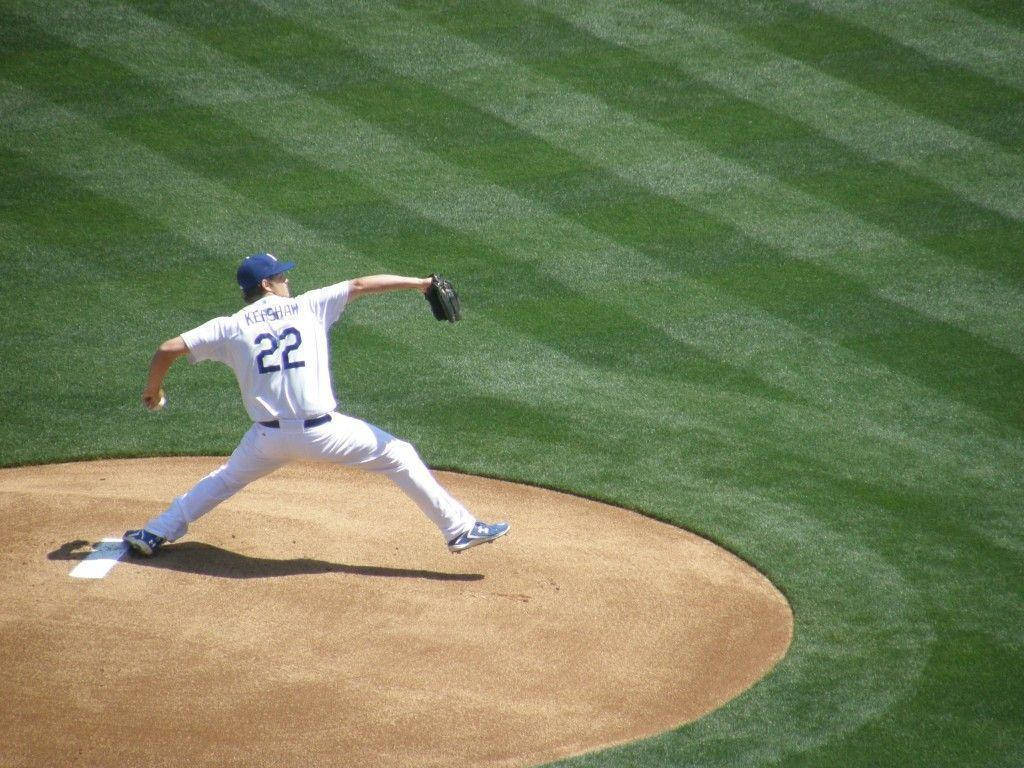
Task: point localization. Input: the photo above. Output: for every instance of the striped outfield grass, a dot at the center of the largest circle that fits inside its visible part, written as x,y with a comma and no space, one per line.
718,267
941,32
865,122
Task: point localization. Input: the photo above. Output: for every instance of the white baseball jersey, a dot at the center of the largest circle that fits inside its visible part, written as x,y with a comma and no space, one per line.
278,349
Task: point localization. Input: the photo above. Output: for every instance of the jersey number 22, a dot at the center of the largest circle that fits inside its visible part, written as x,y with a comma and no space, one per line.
273,342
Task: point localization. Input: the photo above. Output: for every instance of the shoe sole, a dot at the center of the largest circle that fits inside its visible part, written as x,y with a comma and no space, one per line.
139,547
476,542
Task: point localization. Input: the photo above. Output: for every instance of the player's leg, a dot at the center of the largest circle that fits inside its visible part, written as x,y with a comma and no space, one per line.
353,442
260,452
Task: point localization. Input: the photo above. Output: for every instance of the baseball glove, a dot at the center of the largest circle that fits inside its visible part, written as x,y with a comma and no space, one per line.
444,301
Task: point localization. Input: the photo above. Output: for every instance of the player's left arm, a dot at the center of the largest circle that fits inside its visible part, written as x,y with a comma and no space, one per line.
161,362
364,286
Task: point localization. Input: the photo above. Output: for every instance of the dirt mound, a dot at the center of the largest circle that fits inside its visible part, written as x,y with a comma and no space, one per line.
316,619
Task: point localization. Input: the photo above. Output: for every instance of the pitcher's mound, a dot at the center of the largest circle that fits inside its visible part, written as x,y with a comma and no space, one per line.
316,619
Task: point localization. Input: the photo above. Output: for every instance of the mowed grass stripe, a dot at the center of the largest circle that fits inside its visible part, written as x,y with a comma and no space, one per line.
689,89
85,326
953,96
942,32
206,212
328,135
84,23
973,167
867,125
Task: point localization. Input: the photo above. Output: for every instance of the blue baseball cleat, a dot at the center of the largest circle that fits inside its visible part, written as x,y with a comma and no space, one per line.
143,542
480,533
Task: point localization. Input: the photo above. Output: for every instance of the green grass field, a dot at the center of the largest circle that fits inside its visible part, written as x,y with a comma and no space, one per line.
754,267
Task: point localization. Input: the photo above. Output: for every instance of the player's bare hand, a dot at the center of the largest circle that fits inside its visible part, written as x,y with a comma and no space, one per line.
154,400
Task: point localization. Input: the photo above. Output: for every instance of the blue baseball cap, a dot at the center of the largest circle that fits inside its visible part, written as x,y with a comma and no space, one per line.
259,266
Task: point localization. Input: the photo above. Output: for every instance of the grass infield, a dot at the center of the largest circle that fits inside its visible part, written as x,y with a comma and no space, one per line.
753,268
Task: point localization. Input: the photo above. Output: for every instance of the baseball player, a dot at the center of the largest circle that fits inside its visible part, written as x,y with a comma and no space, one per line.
277,347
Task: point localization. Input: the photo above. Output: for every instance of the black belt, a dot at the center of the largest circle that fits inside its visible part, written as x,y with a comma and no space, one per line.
308,423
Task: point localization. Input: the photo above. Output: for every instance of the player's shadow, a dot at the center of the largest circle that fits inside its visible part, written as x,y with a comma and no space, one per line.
208,560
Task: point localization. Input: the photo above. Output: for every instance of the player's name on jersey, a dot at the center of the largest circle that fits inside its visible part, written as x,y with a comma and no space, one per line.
266,314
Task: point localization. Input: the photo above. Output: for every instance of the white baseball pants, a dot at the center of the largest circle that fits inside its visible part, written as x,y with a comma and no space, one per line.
342,440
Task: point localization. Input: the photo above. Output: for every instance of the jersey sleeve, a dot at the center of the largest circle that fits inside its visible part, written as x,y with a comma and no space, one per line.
328,303
207,342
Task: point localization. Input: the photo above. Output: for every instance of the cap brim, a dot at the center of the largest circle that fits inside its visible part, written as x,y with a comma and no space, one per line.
284,267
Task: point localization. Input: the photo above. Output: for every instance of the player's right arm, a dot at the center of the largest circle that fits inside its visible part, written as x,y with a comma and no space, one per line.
364,286
161,362
329,302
